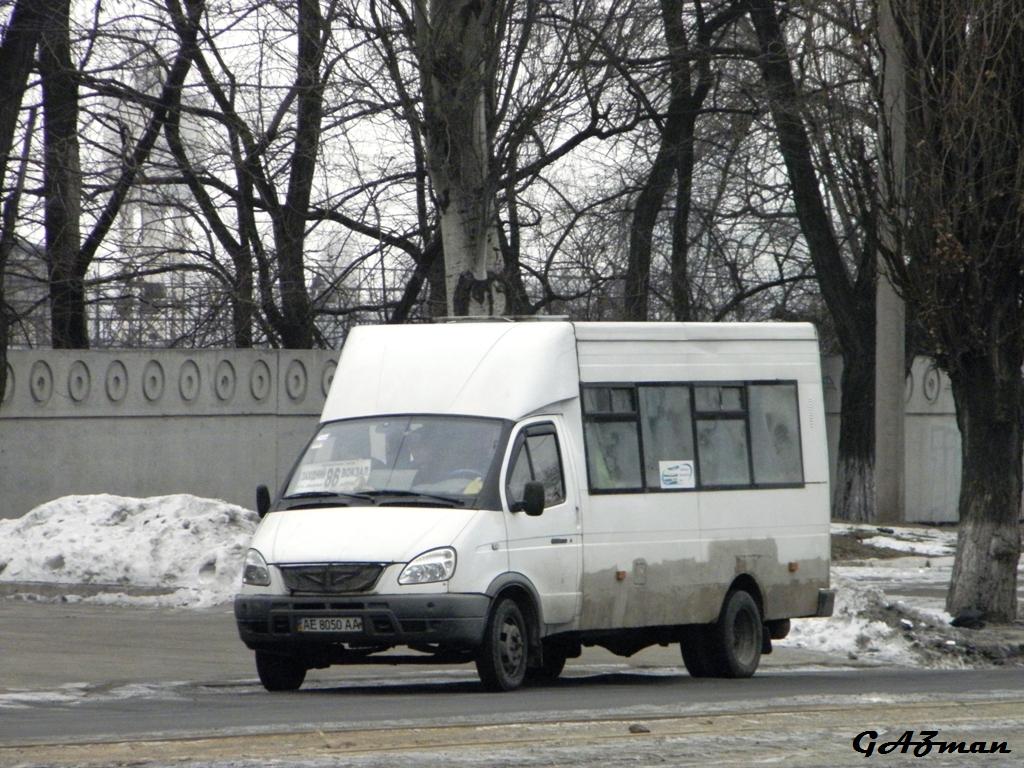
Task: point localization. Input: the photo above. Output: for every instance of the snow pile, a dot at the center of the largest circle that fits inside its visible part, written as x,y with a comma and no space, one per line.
182,550
856,627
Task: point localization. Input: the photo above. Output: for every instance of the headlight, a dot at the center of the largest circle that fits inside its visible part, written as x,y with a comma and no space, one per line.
435,565
255,573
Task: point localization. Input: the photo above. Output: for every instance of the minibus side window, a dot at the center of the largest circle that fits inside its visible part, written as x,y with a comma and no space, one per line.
775,434
537,458
612,438
722,435
667,429
680,436
723,452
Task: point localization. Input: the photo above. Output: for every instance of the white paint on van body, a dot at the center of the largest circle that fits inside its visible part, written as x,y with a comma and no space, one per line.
501,370
598,561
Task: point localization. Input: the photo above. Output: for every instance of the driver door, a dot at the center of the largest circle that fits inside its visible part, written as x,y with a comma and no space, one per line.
546,549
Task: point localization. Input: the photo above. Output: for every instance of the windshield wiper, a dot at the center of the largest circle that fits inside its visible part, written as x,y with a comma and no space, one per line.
327,495
381,498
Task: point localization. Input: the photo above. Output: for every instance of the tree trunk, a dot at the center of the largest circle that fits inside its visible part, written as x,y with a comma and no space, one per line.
16,54
437,295
296,309
685,160
62,180
641,231
648,204
242,304
988,392
455,42
690,82
853,497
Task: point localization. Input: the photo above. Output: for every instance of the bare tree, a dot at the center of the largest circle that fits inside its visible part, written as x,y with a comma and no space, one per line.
549,89
91,199
17,51
457,43
62,178
847,284
690,78
961,267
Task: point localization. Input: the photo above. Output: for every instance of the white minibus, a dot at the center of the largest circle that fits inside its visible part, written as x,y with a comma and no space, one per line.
507,493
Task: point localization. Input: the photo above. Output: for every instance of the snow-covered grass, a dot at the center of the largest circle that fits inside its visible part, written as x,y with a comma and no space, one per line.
928,542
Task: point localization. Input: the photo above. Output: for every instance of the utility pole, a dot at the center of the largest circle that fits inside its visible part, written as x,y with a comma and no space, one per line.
890,317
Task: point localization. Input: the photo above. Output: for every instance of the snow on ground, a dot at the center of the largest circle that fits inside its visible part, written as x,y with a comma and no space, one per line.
186,551
934,542
166,550
853,629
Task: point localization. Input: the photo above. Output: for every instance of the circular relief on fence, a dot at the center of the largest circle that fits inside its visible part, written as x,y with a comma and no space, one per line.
40,381
116,381
908,387
8,392
328,376
224,380
932,384
259,380
153,380
296,380
188,381
79,381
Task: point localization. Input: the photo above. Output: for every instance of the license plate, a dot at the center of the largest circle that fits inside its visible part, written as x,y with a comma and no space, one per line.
331,624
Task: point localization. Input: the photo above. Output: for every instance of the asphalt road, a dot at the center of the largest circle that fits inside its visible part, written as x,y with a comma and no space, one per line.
99,686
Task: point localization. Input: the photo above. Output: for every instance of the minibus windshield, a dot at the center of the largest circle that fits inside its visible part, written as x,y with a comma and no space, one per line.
399,460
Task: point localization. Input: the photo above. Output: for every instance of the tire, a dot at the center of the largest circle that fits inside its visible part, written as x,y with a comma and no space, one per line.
696,645
501,658
550,668
278,672
738,636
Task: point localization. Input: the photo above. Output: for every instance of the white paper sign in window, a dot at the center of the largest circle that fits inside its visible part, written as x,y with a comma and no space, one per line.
347,475
676,474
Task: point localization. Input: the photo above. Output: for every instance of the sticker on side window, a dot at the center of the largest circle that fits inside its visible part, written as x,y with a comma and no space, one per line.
676,474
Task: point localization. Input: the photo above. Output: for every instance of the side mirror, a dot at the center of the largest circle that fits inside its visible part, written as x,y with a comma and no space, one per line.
262,500
533,499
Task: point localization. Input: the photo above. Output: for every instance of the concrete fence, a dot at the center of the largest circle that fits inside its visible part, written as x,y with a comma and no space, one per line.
215,423
931,459
145,423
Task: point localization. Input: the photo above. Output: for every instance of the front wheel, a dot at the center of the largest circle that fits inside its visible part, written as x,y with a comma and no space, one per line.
501,659
278,672
738,636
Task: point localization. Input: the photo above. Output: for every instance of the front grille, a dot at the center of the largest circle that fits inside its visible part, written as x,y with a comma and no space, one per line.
331,578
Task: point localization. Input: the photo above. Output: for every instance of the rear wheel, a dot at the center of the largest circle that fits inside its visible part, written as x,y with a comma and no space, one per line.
501,659
738,636
551,667
279,672
696,645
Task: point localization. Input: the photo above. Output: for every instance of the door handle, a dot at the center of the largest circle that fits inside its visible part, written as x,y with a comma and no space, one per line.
559,540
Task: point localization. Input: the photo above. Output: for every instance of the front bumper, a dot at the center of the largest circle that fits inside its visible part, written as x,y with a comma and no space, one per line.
452,622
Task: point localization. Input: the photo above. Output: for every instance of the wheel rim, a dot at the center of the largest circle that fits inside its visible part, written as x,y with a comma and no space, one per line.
745,640
511,646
